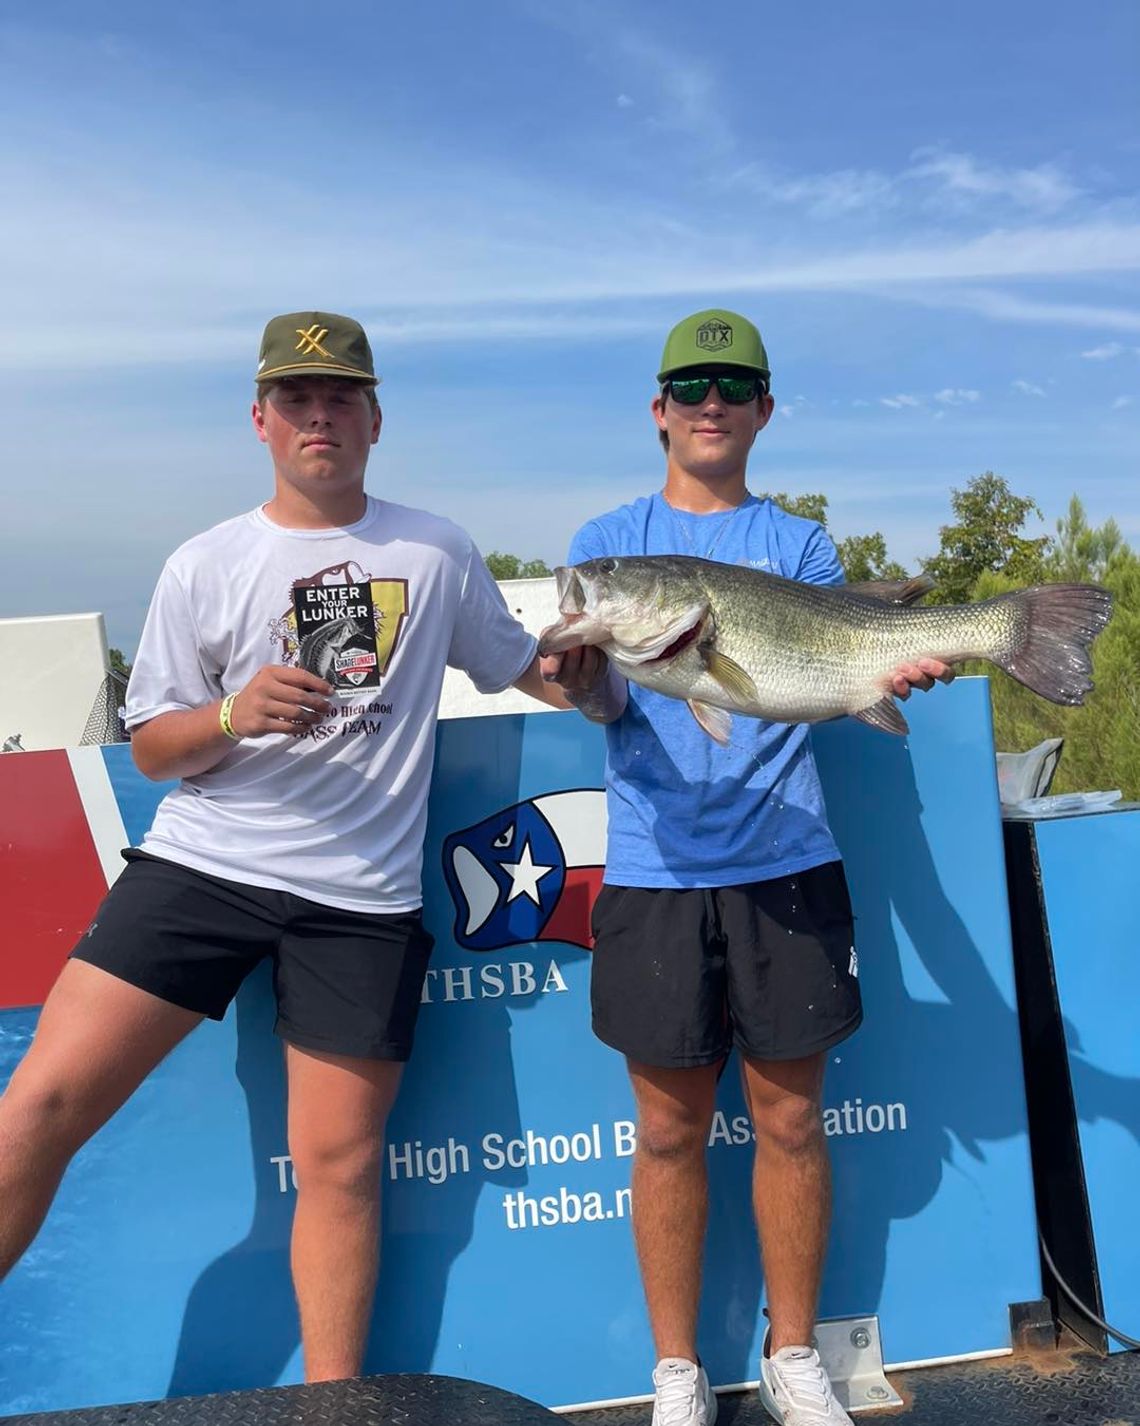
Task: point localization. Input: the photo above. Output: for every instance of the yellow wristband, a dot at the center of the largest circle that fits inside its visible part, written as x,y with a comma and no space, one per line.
225,717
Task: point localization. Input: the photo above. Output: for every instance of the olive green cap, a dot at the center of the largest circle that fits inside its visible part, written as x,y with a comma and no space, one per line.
715,337
315,344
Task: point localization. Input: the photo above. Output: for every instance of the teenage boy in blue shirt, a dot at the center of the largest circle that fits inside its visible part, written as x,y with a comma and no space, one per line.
724,918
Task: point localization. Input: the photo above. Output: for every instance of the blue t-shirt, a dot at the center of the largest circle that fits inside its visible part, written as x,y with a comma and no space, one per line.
683,811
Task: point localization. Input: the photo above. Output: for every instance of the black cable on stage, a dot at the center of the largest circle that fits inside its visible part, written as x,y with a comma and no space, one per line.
1130,1342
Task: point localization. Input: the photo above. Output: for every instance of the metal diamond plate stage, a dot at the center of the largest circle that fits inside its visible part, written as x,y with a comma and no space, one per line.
1068,1389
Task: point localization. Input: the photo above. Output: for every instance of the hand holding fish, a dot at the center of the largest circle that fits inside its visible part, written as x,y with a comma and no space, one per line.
588,679
923,675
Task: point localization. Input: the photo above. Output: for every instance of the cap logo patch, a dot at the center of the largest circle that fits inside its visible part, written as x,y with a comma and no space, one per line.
714,335
311,341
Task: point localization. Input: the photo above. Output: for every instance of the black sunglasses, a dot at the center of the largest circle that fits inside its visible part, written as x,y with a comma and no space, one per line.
734,390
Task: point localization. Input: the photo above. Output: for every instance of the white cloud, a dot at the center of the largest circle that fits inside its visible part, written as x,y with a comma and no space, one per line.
948,396
1027,388
174,262
934,181
956,396
1122,401
1044,189
821,195
1103,353
1006,307
624,101
787,411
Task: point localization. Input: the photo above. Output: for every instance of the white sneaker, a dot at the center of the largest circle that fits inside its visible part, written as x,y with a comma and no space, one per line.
795,1389
683,1394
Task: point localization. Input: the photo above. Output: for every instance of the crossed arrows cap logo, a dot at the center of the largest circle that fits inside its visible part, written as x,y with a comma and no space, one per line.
311,341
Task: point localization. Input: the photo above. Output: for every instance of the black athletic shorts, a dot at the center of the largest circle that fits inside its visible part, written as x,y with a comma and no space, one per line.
348,982
679,977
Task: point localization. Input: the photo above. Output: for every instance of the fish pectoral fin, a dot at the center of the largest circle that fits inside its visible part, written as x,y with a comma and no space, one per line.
885,715
716,722
893,591
735,681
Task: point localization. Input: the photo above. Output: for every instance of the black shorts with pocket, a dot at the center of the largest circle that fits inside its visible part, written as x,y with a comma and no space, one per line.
679,977
347,982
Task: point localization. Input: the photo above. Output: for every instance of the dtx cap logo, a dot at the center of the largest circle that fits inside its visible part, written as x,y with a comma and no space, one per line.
311,341
714,335
529,872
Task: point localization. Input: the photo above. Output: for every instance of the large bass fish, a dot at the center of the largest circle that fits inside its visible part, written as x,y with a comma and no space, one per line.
728,639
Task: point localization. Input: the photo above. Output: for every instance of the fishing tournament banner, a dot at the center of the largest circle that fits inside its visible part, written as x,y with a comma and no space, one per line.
507,1258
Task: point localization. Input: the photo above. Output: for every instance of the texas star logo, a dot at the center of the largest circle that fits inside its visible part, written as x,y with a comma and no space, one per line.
529,872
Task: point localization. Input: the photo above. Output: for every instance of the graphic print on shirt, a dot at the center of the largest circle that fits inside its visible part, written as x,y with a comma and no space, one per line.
344,625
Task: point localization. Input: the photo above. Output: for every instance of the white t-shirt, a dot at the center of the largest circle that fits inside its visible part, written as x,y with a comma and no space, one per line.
338,814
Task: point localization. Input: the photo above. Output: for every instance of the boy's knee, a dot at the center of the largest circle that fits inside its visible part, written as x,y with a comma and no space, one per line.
343,1164
792,1125
47,1115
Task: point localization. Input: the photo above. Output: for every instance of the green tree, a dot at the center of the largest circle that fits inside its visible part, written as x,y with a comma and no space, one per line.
865,557
118,662
511,567
808,507
1081,553
987,539
1101,751
862,556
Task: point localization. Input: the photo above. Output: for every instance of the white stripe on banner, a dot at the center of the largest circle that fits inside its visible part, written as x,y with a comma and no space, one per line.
103,816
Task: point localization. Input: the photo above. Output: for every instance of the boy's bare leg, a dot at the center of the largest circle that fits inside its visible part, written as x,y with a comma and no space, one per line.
670,1197
338,1108
98,1038
791,1190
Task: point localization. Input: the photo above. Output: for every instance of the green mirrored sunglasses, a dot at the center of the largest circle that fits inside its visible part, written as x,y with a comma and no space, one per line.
734,390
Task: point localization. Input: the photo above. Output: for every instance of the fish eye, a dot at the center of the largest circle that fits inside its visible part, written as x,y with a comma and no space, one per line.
607,566
505,837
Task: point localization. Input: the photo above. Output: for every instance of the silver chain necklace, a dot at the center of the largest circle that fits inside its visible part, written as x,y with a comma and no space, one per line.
724,524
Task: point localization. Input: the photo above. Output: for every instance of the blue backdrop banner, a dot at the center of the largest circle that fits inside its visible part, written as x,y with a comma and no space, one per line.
163,1267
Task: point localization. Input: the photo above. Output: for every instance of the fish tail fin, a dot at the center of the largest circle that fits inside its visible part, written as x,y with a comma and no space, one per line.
1056,627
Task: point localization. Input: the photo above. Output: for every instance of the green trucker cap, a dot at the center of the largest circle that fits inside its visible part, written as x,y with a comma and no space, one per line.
715,336
315,344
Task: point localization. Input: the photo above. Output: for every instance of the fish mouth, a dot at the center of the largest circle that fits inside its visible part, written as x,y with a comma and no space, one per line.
575,628
689,636
571,632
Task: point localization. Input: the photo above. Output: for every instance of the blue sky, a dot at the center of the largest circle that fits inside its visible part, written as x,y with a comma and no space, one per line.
931,213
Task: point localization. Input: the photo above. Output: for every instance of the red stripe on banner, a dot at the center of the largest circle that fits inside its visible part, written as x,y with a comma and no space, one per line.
571,919
51,879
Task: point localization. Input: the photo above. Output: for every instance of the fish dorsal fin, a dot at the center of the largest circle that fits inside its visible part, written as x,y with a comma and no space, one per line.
735,681
652,646
716,722
893,591
884,714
